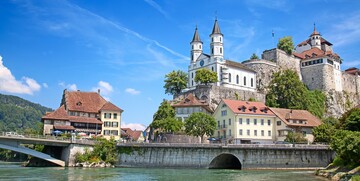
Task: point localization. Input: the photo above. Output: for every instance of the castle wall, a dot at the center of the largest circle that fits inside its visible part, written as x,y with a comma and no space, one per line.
350,83
264,71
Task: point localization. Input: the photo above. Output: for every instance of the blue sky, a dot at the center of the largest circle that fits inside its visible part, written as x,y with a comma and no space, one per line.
126,47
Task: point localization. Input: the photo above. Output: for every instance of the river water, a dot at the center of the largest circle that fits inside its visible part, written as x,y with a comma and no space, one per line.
11,171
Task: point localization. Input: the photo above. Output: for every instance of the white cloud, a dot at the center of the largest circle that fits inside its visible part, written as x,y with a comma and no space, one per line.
8,83
45,85
105,89
133,126
132,91
158,8
70,87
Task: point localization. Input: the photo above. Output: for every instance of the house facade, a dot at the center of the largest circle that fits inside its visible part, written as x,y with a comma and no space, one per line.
188,105
244,122
87,113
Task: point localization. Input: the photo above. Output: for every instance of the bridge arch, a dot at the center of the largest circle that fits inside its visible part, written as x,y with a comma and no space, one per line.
225,161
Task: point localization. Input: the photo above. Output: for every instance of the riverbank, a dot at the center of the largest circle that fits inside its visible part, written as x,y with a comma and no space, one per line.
336,173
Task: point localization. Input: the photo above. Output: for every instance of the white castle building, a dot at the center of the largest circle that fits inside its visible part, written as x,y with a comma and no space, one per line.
230,74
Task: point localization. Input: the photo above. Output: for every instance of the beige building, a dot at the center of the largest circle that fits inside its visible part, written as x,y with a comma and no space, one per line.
84,113
289,120
244,122
190,104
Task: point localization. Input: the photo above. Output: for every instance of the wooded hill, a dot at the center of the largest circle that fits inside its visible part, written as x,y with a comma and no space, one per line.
17,114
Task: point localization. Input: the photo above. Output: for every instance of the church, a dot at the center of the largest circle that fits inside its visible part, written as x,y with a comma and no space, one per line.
230,74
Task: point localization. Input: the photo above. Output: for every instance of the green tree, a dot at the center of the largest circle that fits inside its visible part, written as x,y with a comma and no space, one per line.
324,132
254,56
286,43
205,76
295,137
315,103
199,124
346,145
351,120
164,118
175,82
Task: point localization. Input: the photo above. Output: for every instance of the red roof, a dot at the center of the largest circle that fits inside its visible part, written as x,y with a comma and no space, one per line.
58,114
291,114
247,107
315,52
190,101
80,119
353,71
90,102
110,107
133,134
64,127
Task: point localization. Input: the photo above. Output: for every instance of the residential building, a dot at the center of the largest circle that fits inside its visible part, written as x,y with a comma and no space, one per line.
190,104
130,135
244,122
86,113
291,120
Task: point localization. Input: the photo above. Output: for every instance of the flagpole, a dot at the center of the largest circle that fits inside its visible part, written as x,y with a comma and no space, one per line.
273,39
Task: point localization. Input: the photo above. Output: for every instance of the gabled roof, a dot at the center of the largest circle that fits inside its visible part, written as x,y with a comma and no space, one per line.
353,71
291,114
238,65
216,28
314,53
196,37
237,107
84,101
190,101
58,114
110,107
135,135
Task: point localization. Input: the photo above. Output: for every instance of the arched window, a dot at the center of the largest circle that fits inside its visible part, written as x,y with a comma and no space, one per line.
220,50
244,80
192,46
192,75
237,79
192,83
212,50
212,68
229,77
220,39
212,39
200,46
252,82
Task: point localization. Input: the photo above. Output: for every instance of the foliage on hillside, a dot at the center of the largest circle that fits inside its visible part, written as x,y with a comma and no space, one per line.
175,82
17,114
164,119
287,91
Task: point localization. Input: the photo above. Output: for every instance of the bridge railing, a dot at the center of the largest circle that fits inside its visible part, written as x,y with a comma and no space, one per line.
47,137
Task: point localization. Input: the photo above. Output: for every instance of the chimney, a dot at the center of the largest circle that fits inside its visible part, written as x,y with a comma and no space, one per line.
98,91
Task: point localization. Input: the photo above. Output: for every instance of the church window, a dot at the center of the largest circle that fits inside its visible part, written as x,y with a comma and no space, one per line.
192,47
220,50
192,83
212,50
212,39
229,77
244,80
252,82
200,46
212,68
192,75
220,39
237,79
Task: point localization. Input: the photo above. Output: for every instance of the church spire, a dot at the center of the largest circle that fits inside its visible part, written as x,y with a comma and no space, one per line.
196,37
216,28
314,32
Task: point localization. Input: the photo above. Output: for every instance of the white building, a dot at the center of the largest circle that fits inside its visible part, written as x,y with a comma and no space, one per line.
230,74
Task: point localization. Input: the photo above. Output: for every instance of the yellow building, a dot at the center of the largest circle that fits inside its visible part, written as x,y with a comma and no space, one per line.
244,122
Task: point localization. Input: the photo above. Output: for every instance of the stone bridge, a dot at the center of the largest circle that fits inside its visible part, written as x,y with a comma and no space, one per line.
224,156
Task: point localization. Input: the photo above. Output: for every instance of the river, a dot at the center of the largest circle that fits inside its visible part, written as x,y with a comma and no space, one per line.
11,171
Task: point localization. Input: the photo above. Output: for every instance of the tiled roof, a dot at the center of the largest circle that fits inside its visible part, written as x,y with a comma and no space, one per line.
190,101
110,107
308,41
64,127
238,65
315,52
353,70
133,134
84,101
286,114
79,119
58,114
237,107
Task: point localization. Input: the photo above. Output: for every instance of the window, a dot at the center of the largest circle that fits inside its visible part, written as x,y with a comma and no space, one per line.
219,124
192,75
115,124
237,79
248,132
252,82
229,121
255,132
278,123
240,132
247,121
106,132
229,77
262,133
212,39
269,122
106,124
212,68
200,46
262,121
219,134
224,123
114,132
269,133
115,116
107,115
220,50
229,132
224,113
255,122
212,50
220,39
192,83
244,80
240,120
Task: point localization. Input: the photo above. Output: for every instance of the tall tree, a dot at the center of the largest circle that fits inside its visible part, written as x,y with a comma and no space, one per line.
254,56
164,118
351,120
175,82
323,132
199,124
205,76
286,43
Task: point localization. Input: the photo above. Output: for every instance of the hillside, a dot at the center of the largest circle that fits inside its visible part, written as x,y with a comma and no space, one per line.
17,114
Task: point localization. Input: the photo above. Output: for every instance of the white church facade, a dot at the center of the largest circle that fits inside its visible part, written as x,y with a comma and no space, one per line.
230,74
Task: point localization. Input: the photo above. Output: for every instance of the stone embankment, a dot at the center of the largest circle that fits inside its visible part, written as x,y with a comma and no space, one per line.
339,173
100,164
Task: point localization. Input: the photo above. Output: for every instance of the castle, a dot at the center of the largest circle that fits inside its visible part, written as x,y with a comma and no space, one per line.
313,59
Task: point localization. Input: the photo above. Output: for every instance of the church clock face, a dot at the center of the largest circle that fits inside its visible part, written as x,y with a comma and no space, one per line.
201,62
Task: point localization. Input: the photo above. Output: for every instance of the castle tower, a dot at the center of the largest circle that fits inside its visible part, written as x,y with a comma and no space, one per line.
196,46
315,38
216,45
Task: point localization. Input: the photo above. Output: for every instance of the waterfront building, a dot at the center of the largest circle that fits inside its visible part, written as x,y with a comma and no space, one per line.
292,120
245,122
85,113
188,105
132,135
230,74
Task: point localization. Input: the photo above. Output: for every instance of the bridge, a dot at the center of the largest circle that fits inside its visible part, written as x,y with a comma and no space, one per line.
244,156
61,146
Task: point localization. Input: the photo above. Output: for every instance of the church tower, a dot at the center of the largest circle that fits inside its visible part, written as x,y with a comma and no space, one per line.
315,38
196,46
216,45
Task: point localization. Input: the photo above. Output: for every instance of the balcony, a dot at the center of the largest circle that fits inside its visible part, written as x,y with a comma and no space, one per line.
222,126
